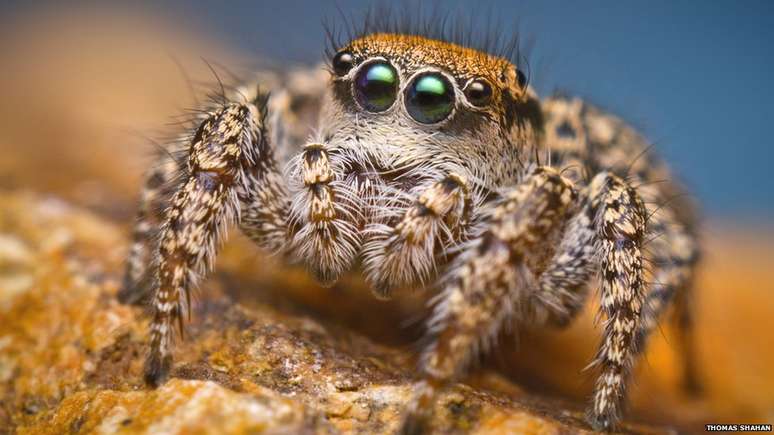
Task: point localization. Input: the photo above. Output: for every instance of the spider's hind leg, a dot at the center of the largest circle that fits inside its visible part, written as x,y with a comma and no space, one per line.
160,183
684,322
673,252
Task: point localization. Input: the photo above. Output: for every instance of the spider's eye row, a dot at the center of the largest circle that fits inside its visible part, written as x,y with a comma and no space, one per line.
343,62
376,86
429,98
478,92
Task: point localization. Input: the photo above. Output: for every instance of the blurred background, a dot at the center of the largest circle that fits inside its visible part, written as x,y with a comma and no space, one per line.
84,88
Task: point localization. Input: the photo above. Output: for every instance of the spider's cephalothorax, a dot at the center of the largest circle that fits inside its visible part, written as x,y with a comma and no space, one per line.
424,171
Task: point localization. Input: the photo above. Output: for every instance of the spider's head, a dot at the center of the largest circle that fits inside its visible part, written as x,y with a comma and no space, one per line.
409,100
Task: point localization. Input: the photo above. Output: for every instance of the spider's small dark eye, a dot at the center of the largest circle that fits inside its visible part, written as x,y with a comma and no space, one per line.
430,98
479,93
376,86
521,78
343,62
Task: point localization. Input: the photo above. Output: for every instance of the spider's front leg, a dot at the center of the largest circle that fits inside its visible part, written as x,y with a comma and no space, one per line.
488,282
228,159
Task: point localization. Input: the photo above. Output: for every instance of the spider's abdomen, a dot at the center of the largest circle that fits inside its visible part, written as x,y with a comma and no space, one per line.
582,140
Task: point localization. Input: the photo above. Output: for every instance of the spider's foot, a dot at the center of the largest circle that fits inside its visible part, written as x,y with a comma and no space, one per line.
134,293
601,422
157,370
419,411
415,423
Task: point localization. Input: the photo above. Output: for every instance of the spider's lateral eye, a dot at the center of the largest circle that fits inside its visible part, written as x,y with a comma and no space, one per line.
343,62
478,92
521,78
376,86
429,98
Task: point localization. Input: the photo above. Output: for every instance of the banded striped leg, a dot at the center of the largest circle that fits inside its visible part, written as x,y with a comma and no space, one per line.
159,184
404,254
228,143
684,319
620,217
488,283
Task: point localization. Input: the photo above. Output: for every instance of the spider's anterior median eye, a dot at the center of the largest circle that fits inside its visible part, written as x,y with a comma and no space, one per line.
343,62
376,85
430,98
478,93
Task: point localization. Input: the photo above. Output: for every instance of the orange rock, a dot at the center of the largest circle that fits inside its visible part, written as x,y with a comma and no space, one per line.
72,356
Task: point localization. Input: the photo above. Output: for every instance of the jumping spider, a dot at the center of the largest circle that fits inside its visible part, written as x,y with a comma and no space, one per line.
425,170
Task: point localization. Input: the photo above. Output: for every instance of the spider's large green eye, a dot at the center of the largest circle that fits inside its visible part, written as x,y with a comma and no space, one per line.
376,86
430,98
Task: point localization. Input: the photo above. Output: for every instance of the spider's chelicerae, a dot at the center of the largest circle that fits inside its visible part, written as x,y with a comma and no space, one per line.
433,164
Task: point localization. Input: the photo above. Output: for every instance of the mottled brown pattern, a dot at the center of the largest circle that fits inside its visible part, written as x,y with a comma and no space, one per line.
509,209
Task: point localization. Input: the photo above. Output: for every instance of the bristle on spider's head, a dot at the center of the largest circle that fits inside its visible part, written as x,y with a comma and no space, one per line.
485,37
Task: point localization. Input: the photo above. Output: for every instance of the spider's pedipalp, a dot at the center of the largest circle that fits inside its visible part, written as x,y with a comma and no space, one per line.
406,254
328,215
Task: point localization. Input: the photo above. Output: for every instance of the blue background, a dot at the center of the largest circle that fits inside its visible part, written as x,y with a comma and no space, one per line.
694,76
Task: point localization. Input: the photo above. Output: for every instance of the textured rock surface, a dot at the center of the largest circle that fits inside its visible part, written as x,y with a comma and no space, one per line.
72,356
